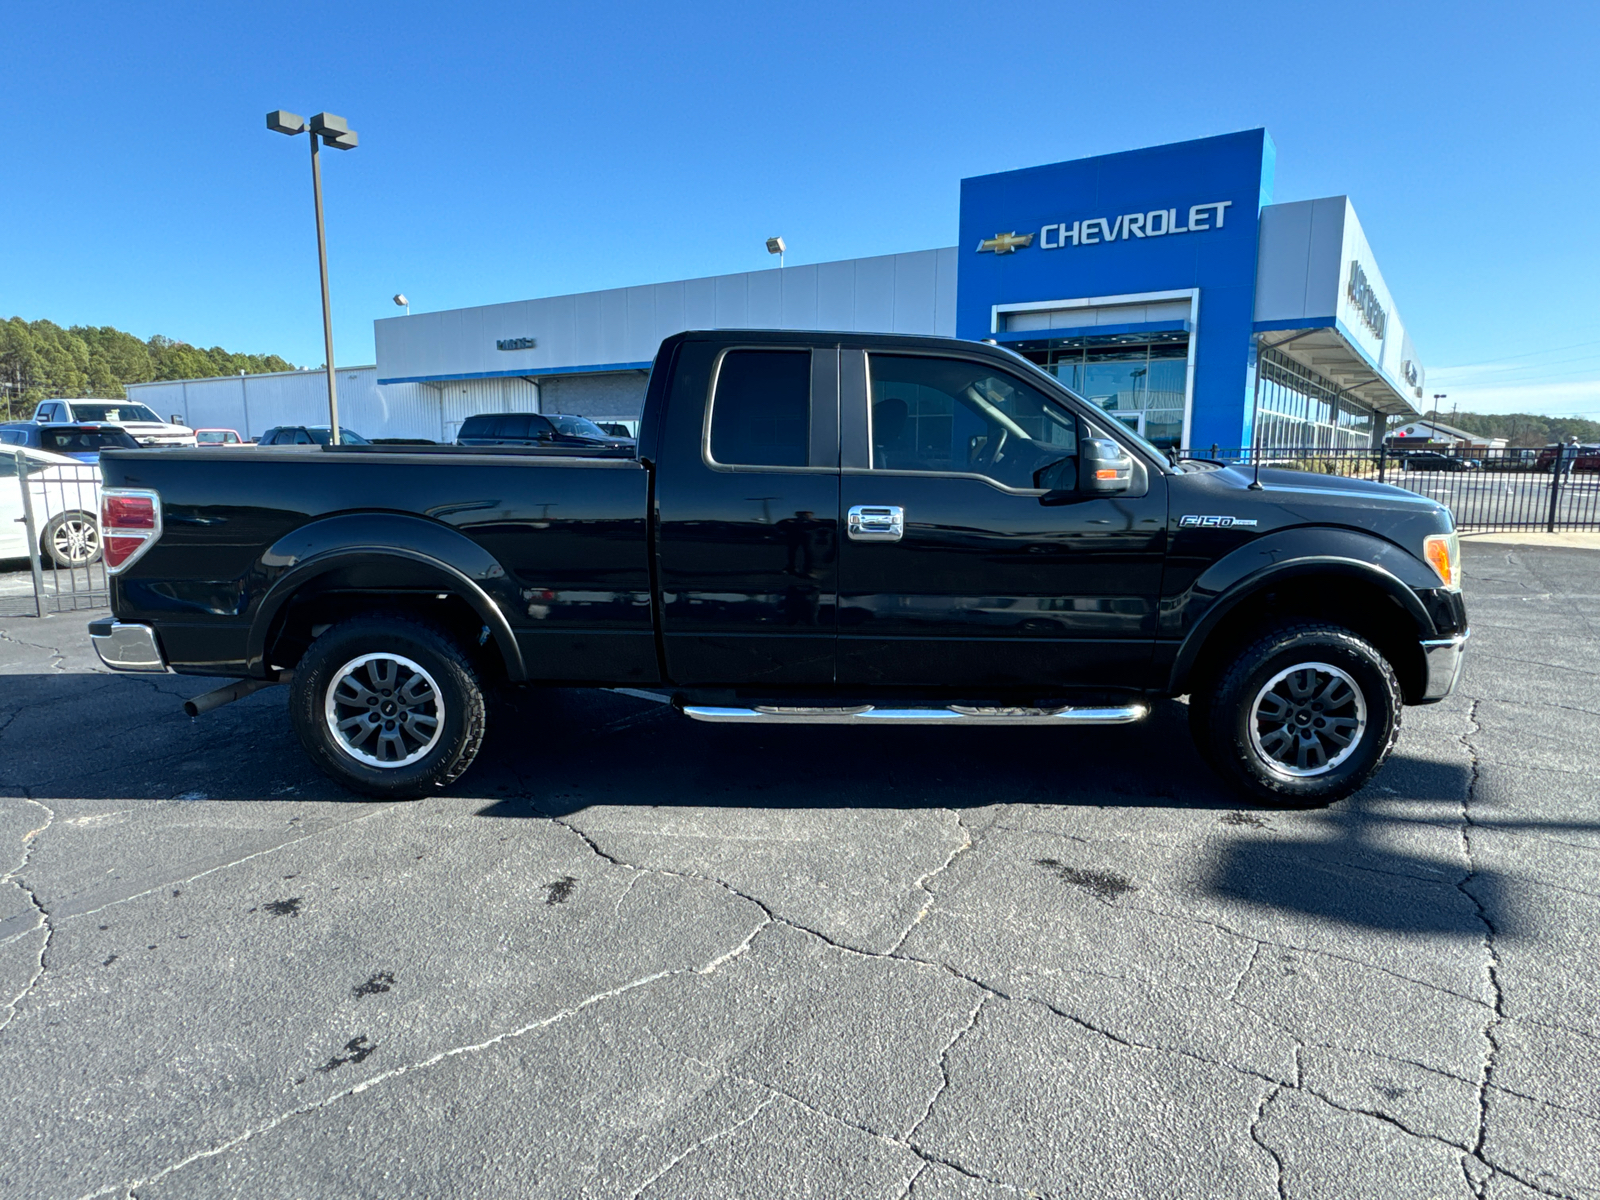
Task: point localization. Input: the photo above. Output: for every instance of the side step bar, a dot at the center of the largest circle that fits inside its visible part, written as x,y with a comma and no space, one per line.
955,714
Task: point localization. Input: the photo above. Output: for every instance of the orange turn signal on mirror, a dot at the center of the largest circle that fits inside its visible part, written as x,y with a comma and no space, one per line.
1105,473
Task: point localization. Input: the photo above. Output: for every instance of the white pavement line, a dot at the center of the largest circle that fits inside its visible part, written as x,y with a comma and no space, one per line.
431,1061
89,912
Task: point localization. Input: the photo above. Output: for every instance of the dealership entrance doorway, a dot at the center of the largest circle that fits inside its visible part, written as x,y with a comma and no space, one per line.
1139,379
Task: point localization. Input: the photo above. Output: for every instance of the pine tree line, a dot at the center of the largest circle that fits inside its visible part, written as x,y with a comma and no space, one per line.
39,360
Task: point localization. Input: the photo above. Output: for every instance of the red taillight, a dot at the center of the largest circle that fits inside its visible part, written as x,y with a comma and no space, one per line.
128,512
130,523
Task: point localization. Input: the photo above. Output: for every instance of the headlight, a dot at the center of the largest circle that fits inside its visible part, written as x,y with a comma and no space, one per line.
1443,552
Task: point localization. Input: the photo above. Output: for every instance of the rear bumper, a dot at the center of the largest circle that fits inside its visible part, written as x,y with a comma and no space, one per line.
127,647
1443,657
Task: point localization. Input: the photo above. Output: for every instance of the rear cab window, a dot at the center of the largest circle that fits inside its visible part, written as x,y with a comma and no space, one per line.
761,409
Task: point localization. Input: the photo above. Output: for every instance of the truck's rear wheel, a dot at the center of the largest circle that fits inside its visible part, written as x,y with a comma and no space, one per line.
389,706
1303,717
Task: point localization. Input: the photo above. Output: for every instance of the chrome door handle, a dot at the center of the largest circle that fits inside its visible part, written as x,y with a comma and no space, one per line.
876,523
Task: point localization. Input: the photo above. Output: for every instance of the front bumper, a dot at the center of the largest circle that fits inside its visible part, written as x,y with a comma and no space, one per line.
126,647
1443,657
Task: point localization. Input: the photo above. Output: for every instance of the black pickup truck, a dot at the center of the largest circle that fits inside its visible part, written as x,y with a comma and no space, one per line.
828,528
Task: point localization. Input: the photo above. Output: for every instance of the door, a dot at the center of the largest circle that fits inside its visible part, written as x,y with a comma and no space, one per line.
13,533
747,500
1002,575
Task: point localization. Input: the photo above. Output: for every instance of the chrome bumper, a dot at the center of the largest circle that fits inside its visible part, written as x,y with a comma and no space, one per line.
1443,657
127,647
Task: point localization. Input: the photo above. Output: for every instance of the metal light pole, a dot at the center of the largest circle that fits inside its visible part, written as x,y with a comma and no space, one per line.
333,131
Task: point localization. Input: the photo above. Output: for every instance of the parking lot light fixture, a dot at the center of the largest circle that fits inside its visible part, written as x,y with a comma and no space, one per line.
325,129
775,246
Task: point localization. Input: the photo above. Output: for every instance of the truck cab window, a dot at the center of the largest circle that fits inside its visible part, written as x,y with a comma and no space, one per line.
761,412
956,415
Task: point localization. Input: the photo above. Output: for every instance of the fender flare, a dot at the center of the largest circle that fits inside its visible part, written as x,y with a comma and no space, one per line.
323,546
1342,552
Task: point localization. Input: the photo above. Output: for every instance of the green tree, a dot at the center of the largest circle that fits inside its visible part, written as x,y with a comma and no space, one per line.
39,360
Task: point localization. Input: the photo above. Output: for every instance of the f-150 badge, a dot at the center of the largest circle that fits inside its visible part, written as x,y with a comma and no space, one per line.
1191,522
1005,243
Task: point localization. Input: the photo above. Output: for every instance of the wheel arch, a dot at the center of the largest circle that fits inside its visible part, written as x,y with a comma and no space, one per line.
403,559
1359,594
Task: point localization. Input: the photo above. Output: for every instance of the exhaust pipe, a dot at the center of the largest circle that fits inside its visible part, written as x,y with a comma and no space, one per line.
228,693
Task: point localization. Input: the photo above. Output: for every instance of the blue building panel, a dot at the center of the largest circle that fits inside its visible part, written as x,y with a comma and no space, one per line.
1181,216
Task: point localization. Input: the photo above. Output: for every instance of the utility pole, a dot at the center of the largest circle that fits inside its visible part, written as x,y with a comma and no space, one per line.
332,130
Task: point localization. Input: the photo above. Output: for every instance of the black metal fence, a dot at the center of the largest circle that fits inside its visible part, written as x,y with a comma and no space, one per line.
1486,490
50,527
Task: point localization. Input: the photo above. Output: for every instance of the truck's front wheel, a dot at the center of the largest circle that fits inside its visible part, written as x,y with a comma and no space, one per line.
1303,717
388,706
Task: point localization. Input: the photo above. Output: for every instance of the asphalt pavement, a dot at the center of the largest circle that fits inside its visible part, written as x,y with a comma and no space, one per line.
632,956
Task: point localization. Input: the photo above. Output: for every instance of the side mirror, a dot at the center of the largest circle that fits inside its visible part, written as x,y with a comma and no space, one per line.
1104,467
177,419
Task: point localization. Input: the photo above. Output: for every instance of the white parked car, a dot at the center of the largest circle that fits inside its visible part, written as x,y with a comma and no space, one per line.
66,507
147,428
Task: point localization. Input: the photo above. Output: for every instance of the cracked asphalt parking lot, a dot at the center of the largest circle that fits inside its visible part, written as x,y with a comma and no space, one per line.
631,956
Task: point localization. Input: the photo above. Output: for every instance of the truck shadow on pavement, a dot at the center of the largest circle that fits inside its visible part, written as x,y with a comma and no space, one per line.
1364,863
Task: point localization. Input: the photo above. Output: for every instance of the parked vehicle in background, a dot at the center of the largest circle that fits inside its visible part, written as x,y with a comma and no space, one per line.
309,435
218,437
537,429
864,529
145,427
1584,458
1513,458
1432,460
81,442
615,429
66,507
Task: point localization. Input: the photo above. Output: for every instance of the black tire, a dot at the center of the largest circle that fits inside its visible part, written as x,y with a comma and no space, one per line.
1301,718
393,753
71,539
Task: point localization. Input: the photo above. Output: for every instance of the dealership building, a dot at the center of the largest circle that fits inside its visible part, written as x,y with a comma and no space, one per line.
1162,284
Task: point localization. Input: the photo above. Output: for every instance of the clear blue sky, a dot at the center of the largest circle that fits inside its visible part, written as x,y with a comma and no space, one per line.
519,150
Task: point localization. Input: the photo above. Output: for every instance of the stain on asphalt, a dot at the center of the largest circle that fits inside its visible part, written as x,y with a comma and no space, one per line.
357,1049
382,981
561,890
109,961
176,893
1102,885
1245,818
283,908
1391,1091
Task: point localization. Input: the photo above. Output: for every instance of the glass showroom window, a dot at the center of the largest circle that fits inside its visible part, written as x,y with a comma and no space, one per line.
1297,408
1140,382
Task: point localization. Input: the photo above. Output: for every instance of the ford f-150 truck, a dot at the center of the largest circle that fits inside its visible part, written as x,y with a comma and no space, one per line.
825,528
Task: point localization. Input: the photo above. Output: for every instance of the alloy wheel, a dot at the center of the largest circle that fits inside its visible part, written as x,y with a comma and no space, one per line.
1307,720
384,710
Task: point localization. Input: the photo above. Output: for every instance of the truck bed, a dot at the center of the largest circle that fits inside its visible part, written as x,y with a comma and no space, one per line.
557,542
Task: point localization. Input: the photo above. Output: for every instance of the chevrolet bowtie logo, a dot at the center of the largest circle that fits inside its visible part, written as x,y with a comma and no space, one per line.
1005,243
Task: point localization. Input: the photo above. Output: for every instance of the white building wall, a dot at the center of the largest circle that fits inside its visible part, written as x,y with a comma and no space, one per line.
1307,254
622,327
252,404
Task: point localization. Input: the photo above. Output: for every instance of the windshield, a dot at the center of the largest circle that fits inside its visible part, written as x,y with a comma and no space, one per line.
321,435
114,412
578,427
80,441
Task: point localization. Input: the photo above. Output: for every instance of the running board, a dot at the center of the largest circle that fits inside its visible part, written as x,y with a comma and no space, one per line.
955,714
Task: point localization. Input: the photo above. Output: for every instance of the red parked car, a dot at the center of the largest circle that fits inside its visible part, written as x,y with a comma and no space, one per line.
1587,459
